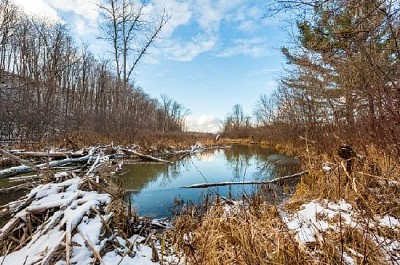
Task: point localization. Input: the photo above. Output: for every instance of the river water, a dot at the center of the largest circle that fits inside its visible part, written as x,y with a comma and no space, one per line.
154,189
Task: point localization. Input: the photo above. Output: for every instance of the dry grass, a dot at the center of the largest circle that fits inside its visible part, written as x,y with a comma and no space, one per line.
363,188
242,237
255,233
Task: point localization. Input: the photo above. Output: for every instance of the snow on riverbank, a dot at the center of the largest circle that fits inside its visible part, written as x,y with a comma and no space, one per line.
64,223
313,220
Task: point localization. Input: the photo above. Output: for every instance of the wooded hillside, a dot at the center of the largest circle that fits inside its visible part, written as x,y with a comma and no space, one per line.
50,85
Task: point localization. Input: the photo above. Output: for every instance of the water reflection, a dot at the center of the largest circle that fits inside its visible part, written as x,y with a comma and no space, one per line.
153,188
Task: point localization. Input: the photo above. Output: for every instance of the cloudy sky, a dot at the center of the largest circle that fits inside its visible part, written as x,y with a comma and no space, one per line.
212,54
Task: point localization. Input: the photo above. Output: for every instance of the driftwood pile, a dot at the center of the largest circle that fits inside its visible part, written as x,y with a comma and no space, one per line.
77,218
40,161
68,223
45,164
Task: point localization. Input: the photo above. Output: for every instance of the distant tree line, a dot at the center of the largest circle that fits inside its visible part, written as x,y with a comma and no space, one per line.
342,80
50,86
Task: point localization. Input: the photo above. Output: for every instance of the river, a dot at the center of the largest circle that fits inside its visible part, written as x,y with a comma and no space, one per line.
154,189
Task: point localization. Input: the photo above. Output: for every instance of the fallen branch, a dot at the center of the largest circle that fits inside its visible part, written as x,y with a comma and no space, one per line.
12,189
145,157
19,160
91,247
228,183
47,154
25,168
22,178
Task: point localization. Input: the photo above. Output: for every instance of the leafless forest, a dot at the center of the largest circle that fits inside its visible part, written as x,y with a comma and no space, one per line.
51,86
341,81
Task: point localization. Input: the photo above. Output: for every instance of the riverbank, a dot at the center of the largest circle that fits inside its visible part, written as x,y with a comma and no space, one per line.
333,217
76,215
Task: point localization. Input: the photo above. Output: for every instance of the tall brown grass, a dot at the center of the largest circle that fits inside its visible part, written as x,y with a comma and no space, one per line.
254,232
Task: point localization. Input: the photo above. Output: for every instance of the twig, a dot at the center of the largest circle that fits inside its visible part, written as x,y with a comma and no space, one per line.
89,244
57,245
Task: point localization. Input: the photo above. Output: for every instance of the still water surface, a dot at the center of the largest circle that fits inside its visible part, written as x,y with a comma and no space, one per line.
153,188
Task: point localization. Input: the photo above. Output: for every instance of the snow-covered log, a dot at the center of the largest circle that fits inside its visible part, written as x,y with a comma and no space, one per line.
12,171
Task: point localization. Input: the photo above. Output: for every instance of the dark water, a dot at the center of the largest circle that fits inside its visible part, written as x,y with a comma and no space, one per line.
153,188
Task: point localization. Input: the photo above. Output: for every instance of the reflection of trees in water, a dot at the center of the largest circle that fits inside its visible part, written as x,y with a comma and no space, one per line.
239,158
205,155
137,176
268,168
196,207
173,171
273,170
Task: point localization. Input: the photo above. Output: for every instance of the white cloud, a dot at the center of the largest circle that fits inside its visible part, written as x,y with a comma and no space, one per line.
86,9
85,12
254,47
83,28
205,123
210,13
39,8
206,15
247,26
203,19
186,51
180,14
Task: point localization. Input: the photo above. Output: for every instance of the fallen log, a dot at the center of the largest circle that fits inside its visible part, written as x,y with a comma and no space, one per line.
228,183
23,186
12,171
19,160
144,157
47,154
25,178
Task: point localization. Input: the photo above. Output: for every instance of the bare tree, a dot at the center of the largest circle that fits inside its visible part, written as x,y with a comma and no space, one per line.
264,110
8,23
343,69
130,31
52,87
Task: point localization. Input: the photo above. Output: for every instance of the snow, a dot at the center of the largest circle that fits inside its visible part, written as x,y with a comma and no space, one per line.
231,207
314,218
348,259
310,220
78,216
389,221
326,167
30,253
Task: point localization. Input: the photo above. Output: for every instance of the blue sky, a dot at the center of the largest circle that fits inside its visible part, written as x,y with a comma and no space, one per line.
212,54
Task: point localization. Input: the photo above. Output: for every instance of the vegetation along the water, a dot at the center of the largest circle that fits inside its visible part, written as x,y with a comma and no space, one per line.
97,168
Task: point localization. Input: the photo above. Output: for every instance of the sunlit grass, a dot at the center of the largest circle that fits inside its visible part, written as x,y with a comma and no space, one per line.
255,232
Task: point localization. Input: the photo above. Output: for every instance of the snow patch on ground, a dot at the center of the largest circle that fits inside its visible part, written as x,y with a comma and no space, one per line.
315,218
